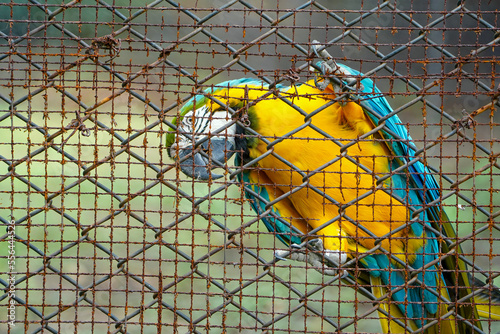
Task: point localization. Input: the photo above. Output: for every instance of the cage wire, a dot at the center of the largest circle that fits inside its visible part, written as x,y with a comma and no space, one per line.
103,233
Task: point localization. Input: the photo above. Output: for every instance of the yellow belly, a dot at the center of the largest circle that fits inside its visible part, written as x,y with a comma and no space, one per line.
343,180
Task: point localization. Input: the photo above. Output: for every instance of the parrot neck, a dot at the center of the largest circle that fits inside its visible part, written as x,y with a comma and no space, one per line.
241,141
245,139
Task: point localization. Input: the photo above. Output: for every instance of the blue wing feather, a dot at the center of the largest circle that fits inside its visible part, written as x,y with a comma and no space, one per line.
416,187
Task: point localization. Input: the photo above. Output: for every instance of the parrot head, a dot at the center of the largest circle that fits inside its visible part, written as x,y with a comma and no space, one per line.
207,134
206,138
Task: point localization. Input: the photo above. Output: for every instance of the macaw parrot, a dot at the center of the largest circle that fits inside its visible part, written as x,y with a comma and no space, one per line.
341,170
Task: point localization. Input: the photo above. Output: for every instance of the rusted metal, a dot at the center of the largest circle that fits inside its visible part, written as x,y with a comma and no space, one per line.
109,236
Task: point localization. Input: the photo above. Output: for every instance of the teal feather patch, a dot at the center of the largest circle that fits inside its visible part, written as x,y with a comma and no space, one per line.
273,224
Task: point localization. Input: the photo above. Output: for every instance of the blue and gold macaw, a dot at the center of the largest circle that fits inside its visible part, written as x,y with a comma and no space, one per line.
344,169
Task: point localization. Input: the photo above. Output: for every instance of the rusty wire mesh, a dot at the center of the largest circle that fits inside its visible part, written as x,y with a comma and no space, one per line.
110,237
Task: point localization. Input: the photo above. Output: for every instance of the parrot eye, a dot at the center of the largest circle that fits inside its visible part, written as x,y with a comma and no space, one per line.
188,121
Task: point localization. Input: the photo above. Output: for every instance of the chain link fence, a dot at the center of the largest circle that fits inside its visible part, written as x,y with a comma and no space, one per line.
102,233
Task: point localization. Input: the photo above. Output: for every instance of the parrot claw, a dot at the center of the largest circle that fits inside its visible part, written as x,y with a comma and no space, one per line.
314,253
329,69
281,255
334,257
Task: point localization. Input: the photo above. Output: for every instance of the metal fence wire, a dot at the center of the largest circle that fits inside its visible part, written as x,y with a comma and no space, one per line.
102,232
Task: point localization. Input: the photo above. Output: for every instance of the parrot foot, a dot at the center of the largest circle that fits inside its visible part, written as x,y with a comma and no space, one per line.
334,257
314,253
329,69
281,254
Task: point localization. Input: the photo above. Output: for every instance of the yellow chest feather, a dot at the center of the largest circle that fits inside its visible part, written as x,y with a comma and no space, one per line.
341,179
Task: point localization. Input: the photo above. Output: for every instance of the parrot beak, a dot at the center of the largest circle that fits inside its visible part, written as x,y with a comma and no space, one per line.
198,166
